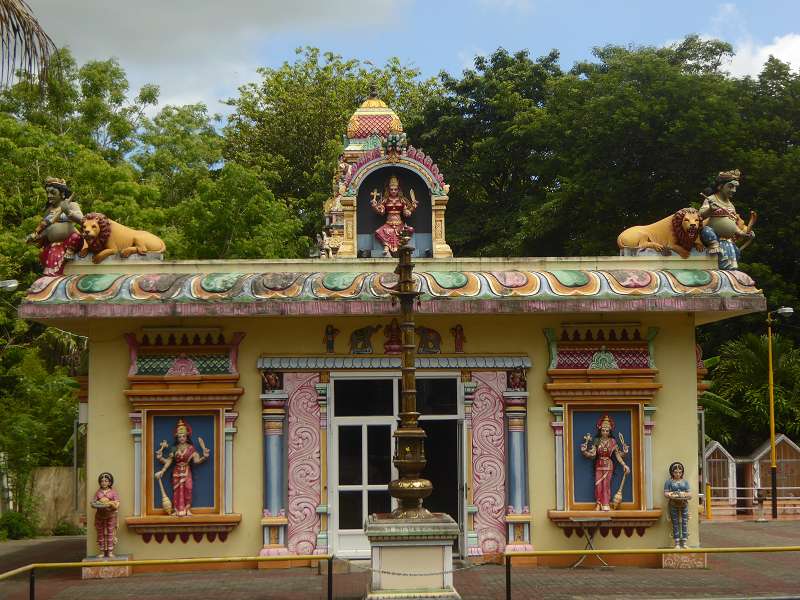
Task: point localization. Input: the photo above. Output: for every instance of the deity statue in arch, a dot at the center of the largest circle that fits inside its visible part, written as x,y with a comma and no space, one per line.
182,455
603,449
397,207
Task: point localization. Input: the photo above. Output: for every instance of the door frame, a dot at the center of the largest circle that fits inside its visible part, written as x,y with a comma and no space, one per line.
333,455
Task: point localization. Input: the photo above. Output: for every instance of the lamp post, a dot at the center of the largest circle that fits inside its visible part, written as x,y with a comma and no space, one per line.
409,458
9,285
783,311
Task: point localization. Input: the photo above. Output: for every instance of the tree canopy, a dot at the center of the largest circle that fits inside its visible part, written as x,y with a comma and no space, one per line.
542,160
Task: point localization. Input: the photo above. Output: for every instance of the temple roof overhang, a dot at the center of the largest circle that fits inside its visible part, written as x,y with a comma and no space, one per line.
473,286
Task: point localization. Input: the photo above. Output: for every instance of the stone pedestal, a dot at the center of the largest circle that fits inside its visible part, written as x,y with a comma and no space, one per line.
108,572
407,547
684,560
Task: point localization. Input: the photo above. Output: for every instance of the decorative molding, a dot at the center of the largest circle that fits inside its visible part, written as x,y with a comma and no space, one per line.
627,521
459,292
315,363
183,528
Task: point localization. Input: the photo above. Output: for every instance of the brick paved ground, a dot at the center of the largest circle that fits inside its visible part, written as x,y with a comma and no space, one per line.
729,576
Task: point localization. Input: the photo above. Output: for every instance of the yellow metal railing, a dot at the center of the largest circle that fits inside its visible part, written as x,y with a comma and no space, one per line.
31,569
509,557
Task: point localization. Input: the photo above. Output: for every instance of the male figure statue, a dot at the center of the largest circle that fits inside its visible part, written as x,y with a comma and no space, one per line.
56,233
723,226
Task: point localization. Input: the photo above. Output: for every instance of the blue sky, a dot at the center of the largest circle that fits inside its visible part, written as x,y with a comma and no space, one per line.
200,51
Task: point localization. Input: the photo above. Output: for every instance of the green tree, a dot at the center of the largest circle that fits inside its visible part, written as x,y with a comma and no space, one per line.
88,104
740,382
490,134
237,216
283,125
177,150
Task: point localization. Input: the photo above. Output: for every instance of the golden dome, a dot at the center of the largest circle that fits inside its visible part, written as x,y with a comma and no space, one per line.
373,117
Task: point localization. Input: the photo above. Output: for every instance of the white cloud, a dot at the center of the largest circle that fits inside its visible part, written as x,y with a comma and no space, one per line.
750,57
195,50
729,24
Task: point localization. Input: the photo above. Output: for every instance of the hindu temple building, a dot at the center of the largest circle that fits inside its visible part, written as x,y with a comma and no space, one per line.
248,407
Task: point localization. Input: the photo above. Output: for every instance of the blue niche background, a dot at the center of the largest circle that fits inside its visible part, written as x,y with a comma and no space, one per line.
584,422
202,474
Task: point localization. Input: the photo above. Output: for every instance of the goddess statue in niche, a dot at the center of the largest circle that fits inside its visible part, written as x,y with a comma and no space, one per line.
603,449
182,455
394,204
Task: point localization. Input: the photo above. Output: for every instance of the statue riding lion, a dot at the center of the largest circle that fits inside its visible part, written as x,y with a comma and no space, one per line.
679,232
104,237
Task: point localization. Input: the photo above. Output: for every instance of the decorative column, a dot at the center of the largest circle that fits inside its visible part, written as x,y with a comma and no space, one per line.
230,429
136,432
473,548
303,457
648,455
322,510
489,460
273,414
558,434
518,517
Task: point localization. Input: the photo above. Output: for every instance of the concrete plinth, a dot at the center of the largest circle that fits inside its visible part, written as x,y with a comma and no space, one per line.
411,558
108,572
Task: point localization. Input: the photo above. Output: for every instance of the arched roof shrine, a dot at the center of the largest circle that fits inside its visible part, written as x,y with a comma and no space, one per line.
376,151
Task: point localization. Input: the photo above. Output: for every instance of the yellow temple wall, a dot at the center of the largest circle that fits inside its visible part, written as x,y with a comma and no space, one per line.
110,443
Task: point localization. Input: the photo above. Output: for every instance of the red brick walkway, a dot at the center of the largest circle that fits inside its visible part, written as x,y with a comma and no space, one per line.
729,576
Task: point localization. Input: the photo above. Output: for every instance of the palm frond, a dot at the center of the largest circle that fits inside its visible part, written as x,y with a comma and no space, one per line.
25,48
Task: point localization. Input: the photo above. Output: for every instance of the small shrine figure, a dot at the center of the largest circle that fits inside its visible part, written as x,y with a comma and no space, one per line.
361,339
722,225
430,341
181,455
394,204
394,338
602,450
56,233
458,338
678,493
106,503
324,244
329,338
516,380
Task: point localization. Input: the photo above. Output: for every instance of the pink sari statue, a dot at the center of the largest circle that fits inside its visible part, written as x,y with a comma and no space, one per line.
106,502
603,449
182,455
397,208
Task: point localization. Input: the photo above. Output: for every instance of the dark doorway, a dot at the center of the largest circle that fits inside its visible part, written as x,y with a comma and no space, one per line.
441,450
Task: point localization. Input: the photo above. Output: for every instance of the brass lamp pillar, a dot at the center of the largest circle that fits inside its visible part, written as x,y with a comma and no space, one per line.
409,456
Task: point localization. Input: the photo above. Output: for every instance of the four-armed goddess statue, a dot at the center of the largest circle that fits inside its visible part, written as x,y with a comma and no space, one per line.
182,454
394,204
602,449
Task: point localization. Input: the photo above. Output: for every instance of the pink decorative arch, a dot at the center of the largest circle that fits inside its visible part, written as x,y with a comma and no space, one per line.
489,461
303,441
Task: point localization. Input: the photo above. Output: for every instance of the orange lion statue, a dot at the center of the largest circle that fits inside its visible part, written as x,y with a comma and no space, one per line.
104,237
678,233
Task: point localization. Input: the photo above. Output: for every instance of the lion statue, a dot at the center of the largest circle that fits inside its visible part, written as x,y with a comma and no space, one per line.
679,233
104,237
